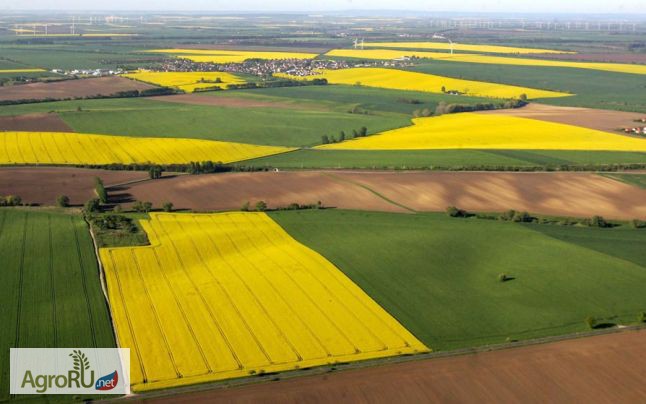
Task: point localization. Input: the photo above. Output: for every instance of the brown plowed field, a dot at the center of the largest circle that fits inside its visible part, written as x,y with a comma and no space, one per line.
567,194
43,185
562,194
71,88
232,190
599,119
599,369
34,123
233,102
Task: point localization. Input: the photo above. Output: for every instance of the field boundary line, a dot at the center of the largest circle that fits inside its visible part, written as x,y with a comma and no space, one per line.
104,285
367,188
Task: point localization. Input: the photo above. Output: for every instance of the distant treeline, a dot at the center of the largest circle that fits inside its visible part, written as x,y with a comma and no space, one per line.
194,167
444,108
267,84
120,94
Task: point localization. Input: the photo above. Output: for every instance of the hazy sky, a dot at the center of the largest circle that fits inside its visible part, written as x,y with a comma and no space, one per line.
577,6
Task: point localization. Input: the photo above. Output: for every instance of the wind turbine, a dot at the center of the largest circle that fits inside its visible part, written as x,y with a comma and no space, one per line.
355,43
362,40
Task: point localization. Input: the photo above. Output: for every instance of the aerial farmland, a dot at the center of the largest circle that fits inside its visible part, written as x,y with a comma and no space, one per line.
356,206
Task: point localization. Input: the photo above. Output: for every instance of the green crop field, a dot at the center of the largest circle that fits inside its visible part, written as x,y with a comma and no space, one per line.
342,98
50,291
632,179
439,276
594,89
266,126
443,159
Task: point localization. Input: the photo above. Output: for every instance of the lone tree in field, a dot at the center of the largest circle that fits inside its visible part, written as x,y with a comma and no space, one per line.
261,206
591,322
92,206
455,212
99,188
155,172
503,277
245,207
63,201
167,206
642,317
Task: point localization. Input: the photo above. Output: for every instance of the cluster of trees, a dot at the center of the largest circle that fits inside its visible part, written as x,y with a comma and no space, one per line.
155,172
512,215
100,190
195,167
114,222
362,132
261,206
274,84
10,200
444,108
452,211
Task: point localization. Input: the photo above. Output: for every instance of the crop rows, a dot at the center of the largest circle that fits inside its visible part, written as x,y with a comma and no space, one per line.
230,295
49,286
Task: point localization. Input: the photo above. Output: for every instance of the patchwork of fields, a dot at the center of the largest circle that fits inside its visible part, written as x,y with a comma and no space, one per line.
230,56
480,131
404,80
271,266
50,292
75,148
460,47
187,81
484,59
232,295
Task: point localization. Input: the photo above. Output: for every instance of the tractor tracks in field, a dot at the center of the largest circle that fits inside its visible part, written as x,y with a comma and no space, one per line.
340,179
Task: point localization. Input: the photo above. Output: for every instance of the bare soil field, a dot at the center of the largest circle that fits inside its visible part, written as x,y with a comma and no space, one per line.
599,369
71,88
599,119
232,102
43,185
34,123
563,194
639,58
278,189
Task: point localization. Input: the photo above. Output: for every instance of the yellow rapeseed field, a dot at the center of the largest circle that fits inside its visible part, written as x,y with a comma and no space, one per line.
186,81
80,148
487,59
460,47
226,295
405,80
488,131
231,56
21,70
